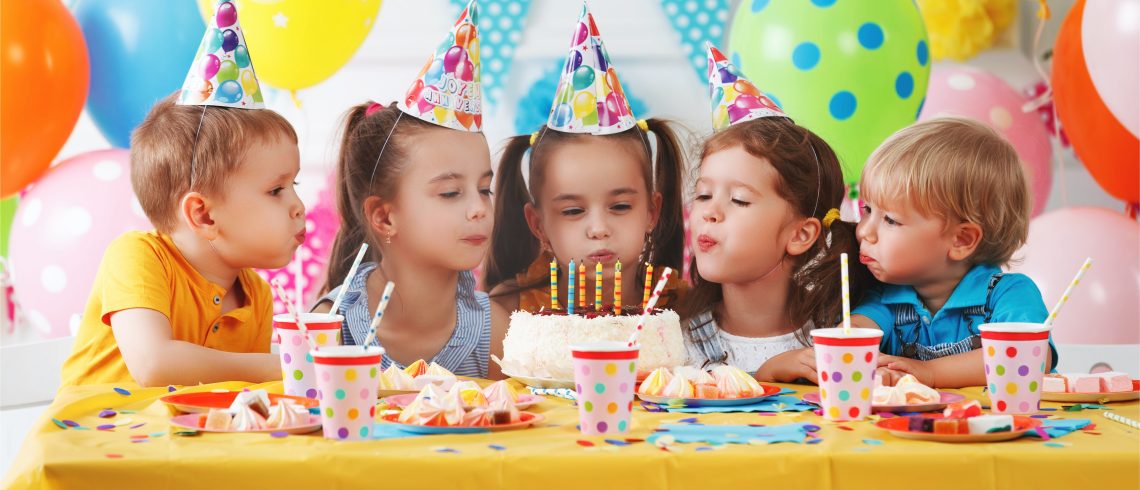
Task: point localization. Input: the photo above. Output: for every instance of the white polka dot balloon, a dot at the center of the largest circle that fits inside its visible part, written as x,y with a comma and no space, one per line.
62,226
957,90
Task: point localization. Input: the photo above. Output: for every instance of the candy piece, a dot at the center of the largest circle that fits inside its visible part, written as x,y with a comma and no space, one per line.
654,384
256,400
416,368
945,426
734,382
1083,383
920,424
985,424
707,391
286,413
1113,382
963,409
395,378
501,390
436,370
471,394
217,419
1055,383
678,387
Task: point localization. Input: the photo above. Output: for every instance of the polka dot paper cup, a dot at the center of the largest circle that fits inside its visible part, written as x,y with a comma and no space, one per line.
296,364
604,376
346,386
1014,355
846,363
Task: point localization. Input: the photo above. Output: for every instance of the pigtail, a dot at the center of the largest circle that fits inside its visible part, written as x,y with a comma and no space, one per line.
669,234
352,231
513,246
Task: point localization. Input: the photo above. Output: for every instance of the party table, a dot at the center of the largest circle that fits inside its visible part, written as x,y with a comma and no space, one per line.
141,451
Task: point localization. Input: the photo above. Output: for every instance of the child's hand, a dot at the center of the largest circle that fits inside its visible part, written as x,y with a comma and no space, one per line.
789,366
888,377
919,369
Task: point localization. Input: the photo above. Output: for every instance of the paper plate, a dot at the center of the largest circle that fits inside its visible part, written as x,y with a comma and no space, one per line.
202,402
541,382
526,419
899,427
1119,396
192,421
388,393
769,390
947,398
401,401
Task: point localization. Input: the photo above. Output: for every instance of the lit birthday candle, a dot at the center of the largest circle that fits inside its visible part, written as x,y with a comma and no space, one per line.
554,284
617,288
570,289
598,288
582,284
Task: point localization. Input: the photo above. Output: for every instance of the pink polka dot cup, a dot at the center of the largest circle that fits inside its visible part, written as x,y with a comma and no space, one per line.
347,377
846,364
1014,356
296,364
604,376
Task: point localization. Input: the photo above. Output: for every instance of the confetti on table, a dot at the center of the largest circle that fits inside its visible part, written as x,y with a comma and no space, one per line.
59,423
140,424
705,448
872,442
126,412
811,428
106,414
105,427
691,420
497,447
114,456
814,441
186,433
585,443
616,442
1047,409
171,389
71,423
279,434
1056,444
844,427
157,434
122,391
446,450
633,440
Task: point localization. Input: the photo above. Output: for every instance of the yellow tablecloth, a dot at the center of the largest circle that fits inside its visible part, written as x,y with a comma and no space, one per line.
549,457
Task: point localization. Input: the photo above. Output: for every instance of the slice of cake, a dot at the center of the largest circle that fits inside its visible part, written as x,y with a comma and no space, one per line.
1113,382
1055,383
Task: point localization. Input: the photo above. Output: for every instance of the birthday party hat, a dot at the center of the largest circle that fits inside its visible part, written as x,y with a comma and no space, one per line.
734,98
222,74
447,90
589,97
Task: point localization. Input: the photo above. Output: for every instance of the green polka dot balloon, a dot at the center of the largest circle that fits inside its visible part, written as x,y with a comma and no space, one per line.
853,71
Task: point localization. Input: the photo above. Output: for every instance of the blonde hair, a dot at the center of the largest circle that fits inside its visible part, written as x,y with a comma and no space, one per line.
958,170
163,145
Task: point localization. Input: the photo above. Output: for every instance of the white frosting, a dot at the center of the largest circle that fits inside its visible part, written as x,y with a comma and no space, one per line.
539,345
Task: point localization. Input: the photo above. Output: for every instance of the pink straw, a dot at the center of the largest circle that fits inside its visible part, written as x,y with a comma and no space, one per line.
649,306
293,311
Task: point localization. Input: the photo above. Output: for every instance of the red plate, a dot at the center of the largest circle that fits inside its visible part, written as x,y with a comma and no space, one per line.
205,400
193,421
769,390
946,399
526,419
899,427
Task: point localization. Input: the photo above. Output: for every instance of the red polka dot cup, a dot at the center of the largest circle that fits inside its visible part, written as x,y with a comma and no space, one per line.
604,376
296,364
347,378
846,364
1014,355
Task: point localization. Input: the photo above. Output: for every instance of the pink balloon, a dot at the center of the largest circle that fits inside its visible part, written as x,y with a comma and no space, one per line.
1110,40
580,34
425,105
968,92
321,225
1102,308
209,66
61,228
453,59
226,15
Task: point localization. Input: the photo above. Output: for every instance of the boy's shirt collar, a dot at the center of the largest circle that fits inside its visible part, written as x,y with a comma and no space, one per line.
970,291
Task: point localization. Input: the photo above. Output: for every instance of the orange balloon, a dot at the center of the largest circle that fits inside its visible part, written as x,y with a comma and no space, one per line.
1108,150
44,61
745,87
464,35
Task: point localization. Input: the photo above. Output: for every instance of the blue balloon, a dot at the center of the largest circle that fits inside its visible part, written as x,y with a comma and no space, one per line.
140,52
435,72
229,91
241,56
215,37
229,40
563,114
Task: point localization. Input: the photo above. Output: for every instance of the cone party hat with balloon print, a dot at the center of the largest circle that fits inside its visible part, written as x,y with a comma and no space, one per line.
734,98
590,98
447,91
222,74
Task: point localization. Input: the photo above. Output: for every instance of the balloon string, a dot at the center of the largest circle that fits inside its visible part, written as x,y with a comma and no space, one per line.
1043,16
296,100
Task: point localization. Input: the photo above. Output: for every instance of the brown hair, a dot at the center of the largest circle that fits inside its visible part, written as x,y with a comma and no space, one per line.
514,247
814,287
163,146
958,170
372,157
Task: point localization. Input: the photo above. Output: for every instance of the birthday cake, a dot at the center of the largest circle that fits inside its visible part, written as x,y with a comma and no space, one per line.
538,344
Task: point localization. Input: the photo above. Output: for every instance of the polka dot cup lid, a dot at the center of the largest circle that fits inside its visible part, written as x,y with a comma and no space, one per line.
447,91
347,354
836,336
313,321
734,98
1015,327
589,98
604,350
222,74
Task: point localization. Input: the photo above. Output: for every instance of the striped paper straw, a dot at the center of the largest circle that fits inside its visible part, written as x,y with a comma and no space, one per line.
293,311
649,306
348,278
379,313
1069,290
1122,419
845,284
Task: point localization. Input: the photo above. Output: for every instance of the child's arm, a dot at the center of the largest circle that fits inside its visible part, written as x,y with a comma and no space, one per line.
500,320
154,358
956,371
789,366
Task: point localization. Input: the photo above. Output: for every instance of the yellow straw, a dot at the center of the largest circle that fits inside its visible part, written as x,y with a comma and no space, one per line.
1069,290
845,284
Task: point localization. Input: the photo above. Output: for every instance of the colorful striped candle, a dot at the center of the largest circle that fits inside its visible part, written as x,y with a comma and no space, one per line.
648,281
570,289
598,288
554,284
617,288
582,284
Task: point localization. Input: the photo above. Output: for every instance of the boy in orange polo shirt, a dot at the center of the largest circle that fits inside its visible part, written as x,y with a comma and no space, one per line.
181,304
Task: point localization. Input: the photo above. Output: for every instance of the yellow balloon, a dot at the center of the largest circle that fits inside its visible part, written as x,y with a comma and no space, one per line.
248,81
729,93
584,103
441,114
473,52
298,43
